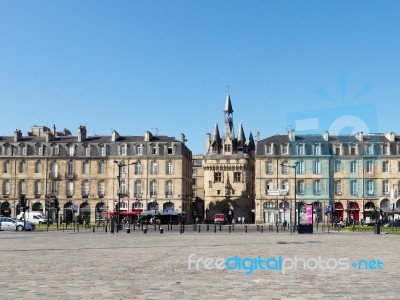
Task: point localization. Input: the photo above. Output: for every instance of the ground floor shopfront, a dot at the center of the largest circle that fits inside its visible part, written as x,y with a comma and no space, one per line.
348,211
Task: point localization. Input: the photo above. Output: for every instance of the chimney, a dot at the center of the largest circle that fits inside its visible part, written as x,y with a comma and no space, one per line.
183,139
147,136
391,136
17,135
258,136
114,136
360,136
326,135
49,136
208,140
292,136
81,133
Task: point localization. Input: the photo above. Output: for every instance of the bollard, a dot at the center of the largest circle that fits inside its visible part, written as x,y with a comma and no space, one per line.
208,227
181,230
128,230
233,227
245,228
277,228
144,230
262,229
230,229
161,230
258,227
215,228
168,227
194,227
134,227
220,227
199,229
94,228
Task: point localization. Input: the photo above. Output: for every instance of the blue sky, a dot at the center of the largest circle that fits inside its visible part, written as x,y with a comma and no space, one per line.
134,66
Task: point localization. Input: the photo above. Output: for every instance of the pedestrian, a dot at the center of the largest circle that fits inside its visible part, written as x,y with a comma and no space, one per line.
243,220
238,220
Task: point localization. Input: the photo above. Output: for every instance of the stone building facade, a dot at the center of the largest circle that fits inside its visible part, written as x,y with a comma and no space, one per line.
95,173
346,177
228,168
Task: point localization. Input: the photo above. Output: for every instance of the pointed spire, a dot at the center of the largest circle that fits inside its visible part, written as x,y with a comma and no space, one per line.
251,143
215,137
228,105
241,136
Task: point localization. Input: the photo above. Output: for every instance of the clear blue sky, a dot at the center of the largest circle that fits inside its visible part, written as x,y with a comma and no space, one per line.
134,66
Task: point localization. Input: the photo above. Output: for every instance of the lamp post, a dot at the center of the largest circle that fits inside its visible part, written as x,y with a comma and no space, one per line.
295,190
120,166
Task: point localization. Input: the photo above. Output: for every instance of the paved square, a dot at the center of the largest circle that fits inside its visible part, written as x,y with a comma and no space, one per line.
99,265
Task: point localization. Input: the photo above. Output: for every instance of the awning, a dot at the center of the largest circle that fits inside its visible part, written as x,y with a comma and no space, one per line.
130,212
387,210
169,212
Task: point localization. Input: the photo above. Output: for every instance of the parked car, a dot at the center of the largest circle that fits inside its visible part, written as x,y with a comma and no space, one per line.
393,223
219,219
13,224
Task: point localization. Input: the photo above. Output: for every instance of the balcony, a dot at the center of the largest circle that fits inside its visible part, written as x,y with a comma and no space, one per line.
168,195
85,194
122,194
101,194
54,176
53,193
70,193
71,176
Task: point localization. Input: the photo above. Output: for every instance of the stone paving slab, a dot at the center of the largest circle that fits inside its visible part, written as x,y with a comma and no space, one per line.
87,265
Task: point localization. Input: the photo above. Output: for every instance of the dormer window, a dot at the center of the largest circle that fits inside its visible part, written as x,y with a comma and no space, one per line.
38,149
103,150
353,149
370,149
86,150
169,150
268,148
8,149
71,150
385,149
337,149
300,149
55,150
122,150
154,149
23,149
316,148
285,149
138,149
227,147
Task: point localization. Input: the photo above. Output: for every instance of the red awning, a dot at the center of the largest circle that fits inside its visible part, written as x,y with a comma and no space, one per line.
129,212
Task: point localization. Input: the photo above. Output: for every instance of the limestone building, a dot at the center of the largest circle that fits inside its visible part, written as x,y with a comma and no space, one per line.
91,172
229,171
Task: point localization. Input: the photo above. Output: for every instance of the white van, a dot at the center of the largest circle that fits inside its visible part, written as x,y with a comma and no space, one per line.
33,216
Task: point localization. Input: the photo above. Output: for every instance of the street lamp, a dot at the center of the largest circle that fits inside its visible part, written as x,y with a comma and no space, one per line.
120,166
295,189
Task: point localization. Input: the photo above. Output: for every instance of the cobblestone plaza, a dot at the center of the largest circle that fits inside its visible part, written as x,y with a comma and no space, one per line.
100,265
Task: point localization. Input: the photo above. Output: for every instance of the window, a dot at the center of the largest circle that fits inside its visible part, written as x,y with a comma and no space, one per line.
102,167
70,150
300,167
385,187
317,167
153,188
169,150
138,168
6,187
268,149
38,187
38,150
54,187
300,187
370,166
138,189
85,188
316,148
23,150
168,188
103,150
385,166
70,169
101,188
86,150
22,166
398,166
122,150
354,187
338,166
268,167
138,150
317,187
122,188
285,185
85,167
300,149
70,188
38,167
54,169
353,167
22,187
154,168
285,149
154,150
123,169
237,176
217,176
338,187
337,149
370,149
385,149
353,150
268,186
227,147
169,168
54,150
284,168
370,187
8,150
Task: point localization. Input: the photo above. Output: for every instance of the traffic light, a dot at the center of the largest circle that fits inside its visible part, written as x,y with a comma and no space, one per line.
47,204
